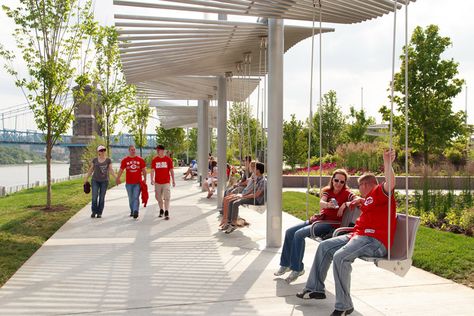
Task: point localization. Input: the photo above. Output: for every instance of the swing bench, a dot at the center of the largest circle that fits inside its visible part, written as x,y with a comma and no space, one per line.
401,251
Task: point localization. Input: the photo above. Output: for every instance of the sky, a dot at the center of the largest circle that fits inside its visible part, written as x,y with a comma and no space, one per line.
355,57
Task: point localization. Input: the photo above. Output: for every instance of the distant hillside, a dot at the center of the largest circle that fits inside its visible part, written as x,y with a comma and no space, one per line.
12,155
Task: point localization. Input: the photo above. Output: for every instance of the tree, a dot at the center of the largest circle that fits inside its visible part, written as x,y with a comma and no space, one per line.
333,123
433,125
357,129
136,118
295,146
172,139
109,77
240,125
191,142
49,36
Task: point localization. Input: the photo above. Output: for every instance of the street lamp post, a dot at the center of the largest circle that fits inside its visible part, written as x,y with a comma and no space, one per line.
28,173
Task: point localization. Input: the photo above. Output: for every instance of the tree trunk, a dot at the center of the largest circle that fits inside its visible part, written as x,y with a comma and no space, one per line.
49,148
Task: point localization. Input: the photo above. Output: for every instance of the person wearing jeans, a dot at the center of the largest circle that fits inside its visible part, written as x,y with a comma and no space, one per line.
335,198
370,238
136,168
99,169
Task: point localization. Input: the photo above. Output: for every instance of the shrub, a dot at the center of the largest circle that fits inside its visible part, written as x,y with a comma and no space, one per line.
455,156
361,156
466,221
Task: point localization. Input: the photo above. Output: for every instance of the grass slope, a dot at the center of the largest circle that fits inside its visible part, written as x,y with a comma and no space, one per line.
24,229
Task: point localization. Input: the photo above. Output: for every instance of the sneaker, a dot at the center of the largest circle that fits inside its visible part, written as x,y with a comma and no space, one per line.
310,294
161,212
281,271
294,275
99,216
341,313
131,214
224,227
93,215
230,229
135,214
167,215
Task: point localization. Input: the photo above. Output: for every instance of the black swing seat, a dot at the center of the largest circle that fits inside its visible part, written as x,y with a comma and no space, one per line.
400,259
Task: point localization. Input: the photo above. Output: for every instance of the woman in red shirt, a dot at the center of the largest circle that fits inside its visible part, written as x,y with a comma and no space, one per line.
334,198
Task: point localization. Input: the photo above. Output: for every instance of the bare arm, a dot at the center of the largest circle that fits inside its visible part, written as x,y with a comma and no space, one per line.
172,176
119,175
152,176
111,170
388,158
144,174
89,173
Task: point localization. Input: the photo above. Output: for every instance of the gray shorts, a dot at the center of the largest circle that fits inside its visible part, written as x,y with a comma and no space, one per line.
162,191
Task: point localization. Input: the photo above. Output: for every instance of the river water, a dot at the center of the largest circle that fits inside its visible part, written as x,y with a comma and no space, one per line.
12,175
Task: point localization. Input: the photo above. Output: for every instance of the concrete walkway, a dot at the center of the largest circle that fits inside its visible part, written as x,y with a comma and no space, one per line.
184,266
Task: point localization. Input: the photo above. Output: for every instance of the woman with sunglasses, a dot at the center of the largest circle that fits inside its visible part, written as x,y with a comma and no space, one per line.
334,200
99,169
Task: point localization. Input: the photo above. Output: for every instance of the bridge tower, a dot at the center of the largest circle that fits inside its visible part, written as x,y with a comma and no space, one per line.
84,129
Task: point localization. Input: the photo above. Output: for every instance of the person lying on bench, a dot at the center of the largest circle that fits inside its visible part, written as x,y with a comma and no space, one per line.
334,201
256,196
369,239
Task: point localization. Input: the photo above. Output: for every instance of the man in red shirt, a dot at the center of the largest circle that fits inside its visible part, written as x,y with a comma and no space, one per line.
135,168
161,169
369,239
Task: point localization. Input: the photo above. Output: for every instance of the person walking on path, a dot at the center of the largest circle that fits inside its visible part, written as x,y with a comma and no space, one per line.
161,170
369,239
100,168
135,168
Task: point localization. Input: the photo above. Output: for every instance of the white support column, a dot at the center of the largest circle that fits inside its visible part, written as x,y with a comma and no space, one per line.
275,131
221,138
203,138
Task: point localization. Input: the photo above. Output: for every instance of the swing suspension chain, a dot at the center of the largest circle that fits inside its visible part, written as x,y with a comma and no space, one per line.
389,180
406,123
310,121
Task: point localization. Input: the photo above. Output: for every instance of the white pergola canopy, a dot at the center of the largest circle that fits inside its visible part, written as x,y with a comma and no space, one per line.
333,11
183,116
158,47
196,88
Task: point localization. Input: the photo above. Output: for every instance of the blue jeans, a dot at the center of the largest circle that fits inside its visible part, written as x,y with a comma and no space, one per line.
98,192
133,191
293,247
342,251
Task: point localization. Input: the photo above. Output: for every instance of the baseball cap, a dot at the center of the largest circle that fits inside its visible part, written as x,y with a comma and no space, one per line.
100,147
87,187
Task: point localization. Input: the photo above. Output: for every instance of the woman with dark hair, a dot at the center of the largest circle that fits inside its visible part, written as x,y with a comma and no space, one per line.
334,198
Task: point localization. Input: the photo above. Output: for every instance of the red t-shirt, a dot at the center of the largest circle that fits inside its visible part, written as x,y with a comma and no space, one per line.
162,167
343,196
373,218
133,167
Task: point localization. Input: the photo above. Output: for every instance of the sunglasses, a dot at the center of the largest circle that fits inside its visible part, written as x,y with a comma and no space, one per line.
339,181
102,150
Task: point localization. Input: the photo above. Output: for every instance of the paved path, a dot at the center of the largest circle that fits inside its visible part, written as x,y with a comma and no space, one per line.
184,266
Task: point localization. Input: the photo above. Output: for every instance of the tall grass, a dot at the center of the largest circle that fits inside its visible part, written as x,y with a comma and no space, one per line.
361,156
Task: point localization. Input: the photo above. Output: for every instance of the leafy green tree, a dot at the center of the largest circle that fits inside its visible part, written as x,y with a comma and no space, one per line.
357,129
191,142
109,78
433,125
50,36
333,124
295,146
137,115
240,125
173,139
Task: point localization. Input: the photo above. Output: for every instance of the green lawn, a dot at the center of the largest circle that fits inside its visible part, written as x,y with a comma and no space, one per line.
24,229
446,254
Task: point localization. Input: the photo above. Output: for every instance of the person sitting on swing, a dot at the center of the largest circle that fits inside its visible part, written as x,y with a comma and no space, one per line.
369,239
335,199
